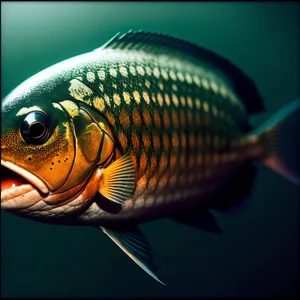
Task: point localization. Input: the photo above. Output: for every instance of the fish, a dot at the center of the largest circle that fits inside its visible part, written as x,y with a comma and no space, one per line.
147,126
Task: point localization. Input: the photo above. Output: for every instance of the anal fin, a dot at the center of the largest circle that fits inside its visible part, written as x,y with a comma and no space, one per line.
134,243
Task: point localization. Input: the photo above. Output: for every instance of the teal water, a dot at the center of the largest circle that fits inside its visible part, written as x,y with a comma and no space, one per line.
258,254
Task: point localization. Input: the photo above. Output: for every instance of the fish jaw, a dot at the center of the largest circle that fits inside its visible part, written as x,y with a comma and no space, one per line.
22,195
32,179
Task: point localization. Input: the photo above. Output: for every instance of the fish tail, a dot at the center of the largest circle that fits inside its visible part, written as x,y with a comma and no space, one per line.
281,134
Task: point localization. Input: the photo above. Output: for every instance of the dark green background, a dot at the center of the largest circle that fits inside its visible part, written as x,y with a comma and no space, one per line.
257,256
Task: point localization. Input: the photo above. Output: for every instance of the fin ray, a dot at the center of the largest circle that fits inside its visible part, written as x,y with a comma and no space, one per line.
134,243
118,180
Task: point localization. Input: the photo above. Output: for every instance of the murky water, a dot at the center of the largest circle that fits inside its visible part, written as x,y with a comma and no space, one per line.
257,256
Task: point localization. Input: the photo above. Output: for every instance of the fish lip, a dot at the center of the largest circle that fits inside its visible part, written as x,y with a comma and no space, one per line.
34,180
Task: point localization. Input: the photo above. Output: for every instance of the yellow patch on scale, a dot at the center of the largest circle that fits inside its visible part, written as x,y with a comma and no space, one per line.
148,70
190,102
132,70
123,71
137,97
173,76
182,100
188,78
198,103
71,108
174,87
164,74
160,99
146,97
153,98
214,86
90,76
126,97
197,80
79,91
107,99
99,103
180,76
147,84
113,72
206,107
175,100
167,99
205,83
140,70
156,72
117,99
160,85
101,74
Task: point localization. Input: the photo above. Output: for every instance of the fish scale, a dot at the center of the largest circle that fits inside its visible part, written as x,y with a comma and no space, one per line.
161,88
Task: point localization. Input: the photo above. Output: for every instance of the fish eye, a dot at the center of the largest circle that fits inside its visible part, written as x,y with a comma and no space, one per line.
35,127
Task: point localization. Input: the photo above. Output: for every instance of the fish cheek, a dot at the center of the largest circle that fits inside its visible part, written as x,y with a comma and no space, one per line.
51,161
57,157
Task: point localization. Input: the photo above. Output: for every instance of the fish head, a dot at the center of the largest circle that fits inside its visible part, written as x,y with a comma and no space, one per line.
51,149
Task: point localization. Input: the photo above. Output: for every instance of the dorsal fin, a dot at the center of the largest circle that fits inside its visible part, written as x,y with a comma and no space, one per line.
160,43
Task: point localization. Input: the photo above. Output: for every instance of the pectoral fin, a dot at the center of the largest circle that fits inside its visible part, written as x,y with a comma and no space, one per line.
134,243
118,180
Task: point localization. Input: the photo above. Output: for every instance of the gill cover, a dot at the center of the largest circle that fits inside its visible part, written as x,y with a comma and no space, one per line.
93,140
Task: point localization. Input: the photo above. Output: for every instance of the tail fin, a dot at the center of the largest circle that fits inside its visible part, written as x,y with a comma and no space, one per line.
282,133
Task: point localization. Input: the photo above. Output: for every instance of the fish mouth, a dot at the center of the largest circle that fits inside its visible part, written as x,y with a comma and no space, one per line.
16,181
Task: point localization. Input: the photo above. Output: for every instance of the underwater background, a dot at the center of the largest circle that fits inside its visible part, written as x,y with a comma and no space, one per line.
258,253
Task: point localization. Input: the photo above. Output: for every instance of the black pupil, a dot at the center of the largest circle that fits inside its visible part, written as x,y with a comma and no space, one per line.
36,130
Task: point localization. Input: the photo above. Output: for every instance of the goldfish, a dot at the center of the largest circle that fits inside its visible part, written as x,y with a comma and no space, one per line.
145,127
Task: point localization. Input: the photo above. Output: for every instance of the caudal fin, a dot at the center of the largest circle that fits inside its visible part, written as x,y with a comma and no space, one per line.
282,135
